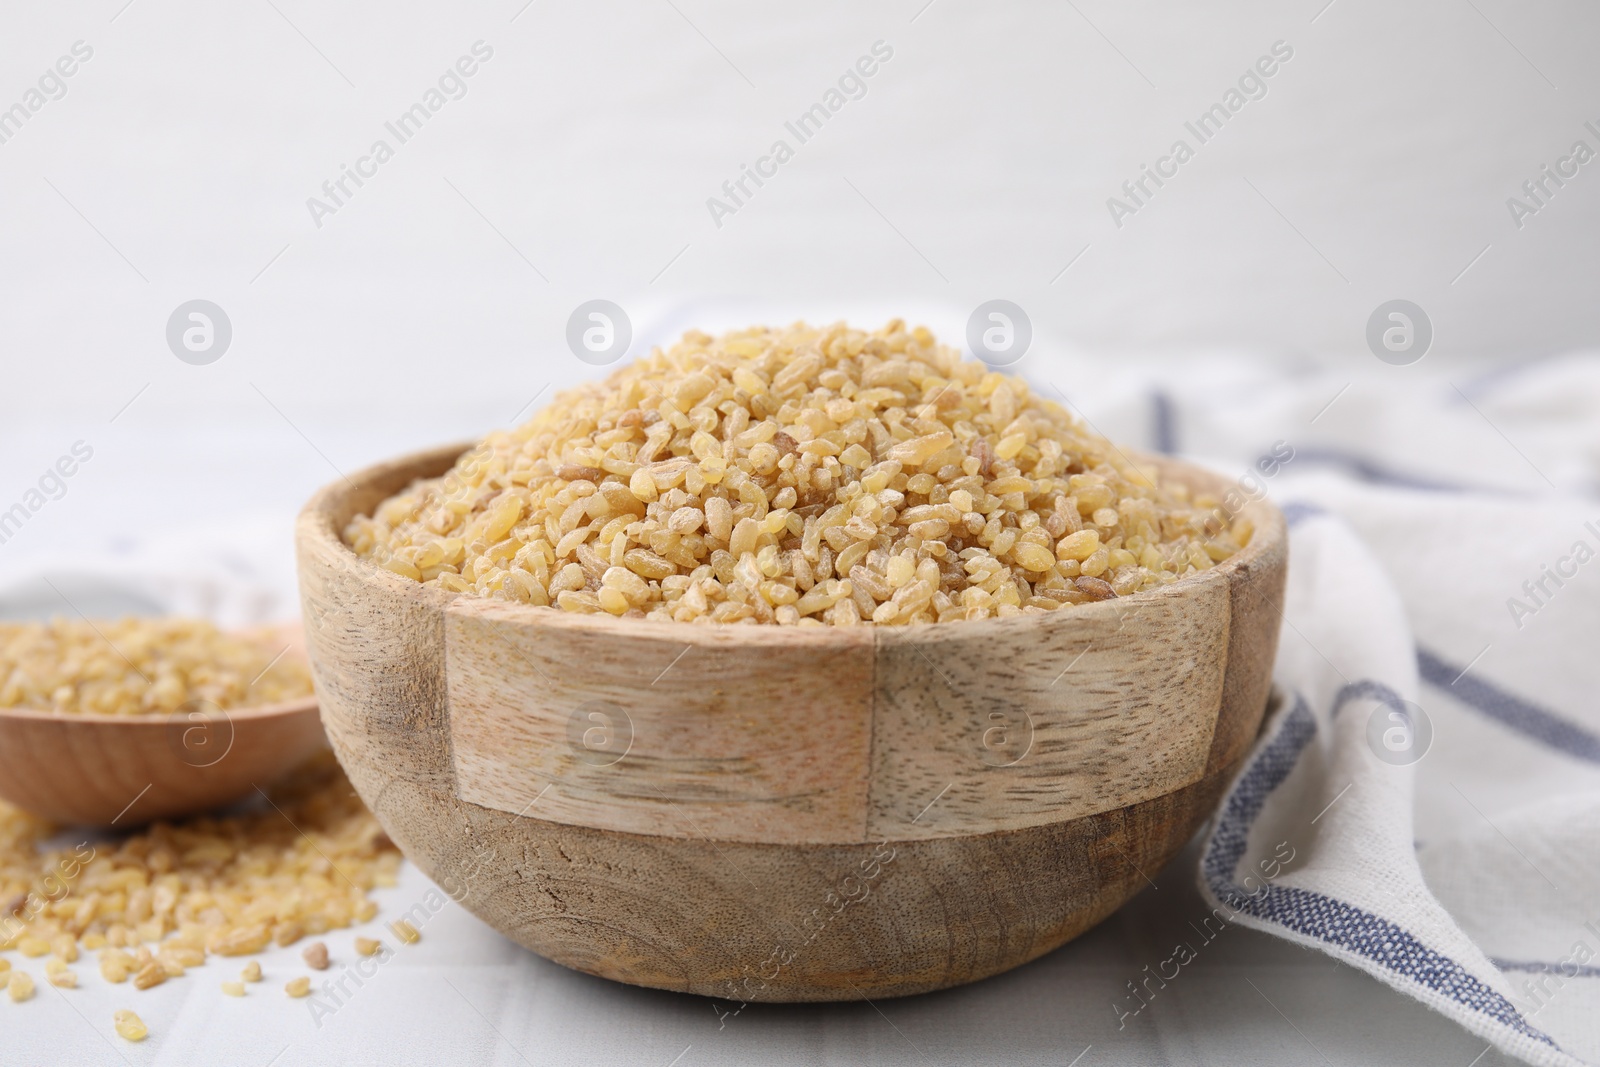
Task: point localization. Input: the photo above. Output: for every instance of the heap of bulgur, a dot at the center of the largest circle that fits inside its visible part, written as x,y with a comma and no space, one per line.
134,666
159,901
798,476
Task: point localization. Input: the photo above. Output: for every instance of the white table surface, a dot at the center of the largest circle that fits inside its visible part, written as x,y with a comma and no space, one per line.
466,996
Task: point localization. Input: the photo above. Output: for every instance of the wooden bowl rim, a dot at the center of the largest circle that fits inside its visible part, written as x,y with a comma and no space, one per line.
316,522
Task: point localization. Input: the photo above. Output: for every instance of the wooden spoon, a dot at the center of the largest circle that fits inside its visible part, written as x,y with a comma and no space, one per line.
112,770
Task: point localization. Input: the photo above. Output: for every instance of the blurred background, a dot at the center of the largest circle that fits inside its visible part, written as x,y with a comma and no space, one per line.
576,162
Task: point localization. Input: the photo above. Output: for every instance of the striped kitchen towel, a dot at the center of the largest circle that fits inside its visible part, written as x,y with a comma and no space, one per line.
1434,766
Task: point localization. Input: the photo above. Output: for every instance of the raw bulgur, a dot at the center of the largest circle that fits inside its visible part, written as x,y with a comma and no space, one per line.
129,1026
159,901
19,986
316,955
798,476
133,666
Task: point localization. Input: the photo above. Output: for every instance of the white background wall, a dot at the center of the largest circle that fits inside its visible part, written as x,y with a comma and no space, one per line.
432,305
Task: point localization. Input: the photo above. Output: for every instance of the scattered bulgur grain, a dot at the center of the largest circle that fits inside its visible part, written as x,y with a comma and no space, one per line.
298,987
777,475
405,931
132,666
367,946
19,986
287,931
129,1026
115,965
316,956
150,975
233,989
239,940
252,971
175,953
160,900
58,974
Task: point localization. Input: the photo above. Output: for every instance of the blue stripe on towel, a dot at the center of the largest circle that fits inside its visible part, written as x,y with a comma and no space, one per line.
1164,423
1297,511
1322,917
1365,469
1564,970
1267,770
1509,710
1493,379
1366,689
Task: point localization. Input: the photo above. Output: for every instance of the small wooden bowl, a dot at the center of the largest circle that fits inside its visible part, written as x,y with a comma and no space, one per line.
105,770
765,813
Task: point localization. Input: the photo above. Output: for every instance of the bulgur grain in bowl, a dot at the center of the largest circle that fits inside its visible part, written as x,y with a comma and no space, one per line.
524,667
137,666
124,721
799,476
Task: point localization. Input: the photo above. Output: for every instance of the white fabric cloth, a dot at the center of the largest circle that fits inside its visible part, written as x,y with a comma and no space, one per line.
1429,595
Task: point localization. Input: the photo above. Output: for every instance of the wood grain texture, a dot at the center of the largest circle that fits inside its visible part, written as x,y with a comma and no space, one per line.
750,922
101,770
654,725
766,814
1052,717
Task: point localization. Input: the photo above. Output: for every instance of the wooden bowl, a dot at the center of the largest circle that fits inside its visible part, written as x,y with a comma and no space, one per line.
105,770
777,814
